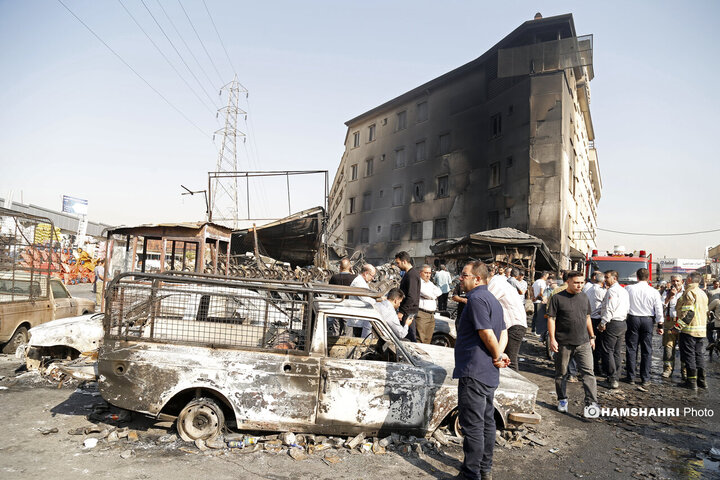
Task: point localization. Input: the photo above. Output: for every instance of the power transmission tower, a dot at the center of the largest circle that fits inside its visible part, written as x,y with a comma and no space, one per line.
224,192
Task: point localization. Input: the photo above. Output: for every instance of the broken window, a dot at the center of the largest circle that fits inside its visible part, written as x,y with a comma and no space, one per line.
349,237
440,228
422,112
418,191
351,205
369,167
371,133
493,220
399,158
444,143
420,154
402,120
395,232
356,139
496,125
442,186
494,175
416,231
397,196
365,235
353,172
367,201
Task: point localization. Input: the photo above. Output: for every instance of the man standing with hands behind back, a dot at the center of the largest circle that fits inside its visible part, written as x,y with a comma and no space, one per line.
481,339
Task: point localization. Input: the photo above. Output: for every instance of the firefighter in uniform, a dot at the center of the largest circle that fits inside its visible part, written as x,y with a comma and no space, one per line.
692,308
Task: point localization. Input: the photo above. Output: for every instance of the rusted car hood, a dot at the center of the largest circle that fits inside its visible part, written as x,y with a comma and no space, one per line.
83,333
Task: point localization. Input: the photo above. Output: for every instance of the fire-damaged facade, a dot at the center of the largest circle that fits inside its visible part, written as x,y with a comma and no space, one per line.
504,141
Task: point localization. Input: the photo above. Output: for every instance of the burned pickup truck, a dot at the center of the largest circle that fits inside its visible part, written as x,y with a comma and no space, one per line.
257,355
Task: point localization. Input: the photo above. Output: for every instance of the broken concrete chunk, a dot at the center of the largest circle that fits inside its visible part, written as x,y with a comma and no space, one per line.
127,454
215,442
297,453
48,431
440,437
288,438
112,437
123,432
77,431
169,438
536,439
353,443
331,459
377,449
384,442
132,436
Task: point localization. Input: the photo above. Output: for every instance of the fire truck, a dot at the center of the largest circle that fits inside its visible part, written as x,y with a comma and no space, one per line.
626,264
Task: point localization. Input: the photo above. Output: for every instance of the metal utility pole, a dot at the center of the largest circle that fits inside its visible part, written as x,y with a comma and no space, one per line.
224,195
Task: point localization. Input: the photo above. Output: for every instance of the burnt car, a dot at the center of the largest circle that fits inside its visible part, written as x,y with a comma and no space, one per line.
257,355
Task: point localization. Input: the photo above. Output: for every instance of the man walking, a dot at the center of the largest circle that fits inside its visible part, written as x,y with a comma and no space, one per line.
645,310
614,311
481,338
410,286
670,335
425,320
692,310
443,280
596,293
538,290
571,334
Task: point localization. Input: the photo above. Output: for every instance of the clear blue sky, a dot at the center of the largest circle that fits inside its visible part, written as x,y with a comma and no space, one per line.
76,121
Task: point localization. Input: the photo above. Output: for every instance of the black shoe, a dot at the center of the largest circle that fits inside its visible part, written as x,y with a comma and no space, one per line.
701,378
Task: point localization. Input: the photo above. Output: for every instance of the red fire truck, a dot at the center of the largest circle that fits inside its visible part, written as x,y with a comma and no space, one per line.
626,264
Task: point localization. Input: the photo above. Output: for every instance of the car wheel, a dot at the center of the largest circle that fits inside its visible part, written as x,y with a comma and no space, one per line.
201,419
455,424
442,340
19,337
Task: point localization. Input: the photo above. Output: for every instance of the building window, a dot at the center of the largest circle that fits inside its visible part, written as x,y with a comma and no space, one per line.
365,235
351,205
440,228
379,229
366,202
495,174
496,125
493,220
371,133
444,141
402,120
395,232
442,186
356,139
399,158
382,193
397,196
416,231
420,152
509,161
418,191
369,167
353,172
422,112
349,237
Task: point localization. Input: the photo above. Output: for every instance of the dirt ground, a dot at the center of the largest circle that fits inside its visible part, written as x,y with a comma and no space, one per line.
561,446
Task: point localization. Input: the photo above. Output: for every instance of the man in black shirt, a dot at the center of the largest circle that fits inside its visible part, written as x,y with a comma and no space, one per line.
345,277
410,286
571,334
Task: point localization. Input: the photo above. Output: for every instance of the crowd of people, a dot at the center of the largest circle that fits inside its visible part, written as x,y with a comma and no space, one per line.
587,324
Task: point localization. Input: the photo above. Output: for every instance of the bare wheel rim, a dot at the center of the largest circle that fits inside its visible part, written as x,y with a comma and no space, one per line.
200,421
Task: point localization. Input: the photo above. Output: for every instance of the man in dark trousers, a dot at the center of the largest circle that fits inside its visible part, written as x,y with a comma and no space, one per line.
571,335
410,286
481,339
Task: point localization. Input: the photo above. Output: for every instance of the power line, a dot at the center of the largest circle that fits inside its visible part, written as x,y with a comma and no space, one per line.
164,56
201,42
177,51
219,38
185,43
660,234
134,71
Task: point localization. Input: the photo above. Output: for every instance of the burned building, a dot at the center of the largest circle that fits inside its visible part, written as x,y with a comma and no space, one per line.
504,141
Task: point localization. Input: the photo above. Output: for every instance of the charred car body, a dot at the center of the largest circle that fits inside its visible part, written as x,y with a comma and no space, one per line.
257,353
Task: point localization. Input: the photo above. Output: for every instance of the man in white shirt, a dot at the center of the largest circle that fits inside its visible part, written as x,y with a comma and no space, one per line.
388,312
516,280
614,311
538,296
513,314
443,279
429,292
595,293
361,328
645,310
